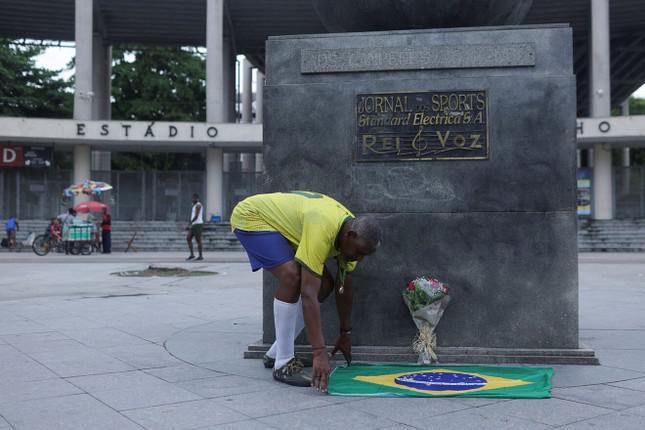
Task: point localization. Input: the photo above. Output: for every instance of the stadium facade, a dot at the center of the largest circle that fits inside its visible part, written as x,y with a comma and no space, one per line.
609,64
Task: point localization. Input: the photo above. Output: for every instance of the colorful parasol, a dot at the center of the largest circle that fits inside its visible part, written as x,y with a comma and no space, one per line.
88,207
88,187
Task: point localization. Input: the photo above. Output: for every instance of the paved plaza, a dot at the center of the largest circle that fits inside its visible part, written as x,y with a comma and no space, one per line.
81,348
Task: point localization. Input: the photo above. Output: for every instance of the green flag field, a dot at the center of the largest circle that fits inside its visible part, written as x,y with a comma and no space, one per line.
399,380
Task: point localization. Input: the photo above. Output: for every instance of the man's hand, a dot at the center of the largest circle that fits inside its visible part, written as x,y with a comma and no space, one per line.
344,345
320,377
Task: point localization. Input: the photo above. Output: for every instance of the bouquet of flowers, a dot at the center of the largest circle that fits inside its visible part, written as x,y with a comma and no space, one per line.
426,299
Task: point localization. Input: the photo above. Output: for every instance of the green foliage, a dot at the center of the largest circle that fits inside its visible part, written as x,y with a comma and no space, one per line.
28,90
417,298
158,83
636,106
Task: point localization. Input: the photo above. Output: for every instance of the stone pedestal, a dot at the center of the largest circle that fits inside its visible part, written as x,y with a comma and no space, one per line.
385,123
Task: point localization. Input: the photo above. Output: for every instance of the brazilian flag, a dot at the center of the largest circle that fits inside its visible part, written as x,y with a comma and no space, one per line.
398,380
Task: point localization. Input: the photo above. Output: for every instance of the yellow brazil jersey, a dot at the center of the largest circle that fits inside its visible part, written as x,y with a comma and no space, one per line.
309,221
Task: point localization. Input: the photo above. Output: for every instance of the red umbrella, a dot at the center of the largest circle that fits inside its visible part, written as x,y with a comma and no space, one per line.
91,206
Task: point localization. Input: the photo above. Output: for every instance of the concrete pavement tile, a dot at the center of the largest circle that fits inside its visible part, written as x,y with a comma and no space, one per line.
188,415
79,362
632,384
614,421
3,423
271,402
553,412
613,339
156,333
222,386
602,395
329,417
54,345
241,367
29,390
77,412
69,322
45,336
143,356
624,359
477,402
115,381
638,410
21,327
144,396
19,367
406,410
474,419
239,425
103,337
571,376
183,373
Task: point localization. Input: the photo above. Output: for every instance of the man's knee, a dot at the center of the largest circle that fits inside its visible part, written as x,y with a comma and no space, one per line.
291,276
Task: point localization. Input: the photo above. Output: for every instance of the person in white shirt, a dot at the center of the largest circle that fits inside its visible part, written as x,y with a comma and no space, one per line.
195,228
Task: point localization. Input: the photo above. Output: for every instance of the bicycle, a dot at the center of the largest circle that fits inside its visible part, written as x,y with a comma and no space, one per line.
44,243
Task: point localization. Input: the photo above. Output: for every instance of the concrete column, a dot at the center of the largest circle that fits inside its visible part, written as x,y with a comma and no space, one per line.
259,97
247,92
83,33
102,86
600,97
215,103
626,156
81,168
214,181
229,80
624,107
83,91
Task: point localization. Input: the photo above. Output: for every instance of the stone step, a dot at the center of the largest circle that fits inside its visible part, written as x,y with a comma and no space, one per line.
389,354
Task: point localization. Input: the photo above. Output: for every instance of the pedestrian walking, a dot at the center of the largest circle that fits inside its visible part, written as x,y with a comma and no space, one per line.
195,228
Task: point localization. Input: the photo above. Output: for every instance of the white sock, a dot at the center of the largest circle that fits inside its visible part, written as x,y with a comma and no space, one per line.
284,316
300,324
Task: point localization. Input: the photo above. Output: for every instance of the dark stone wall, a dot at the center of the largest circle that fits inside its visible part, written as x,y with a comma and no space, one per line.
501,232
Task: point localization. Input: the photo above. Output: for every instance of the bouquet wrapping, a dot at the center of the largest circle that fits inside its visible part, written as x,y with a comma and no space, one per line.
426,299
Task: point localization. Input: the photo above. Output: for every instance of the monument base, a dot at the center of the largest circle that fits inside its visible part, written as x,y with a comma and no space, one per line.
453,355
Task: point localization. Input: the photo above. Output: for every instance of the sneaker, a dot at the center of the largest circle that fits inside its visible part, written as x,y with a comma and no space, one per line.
190,257
199,258
292,373
270,362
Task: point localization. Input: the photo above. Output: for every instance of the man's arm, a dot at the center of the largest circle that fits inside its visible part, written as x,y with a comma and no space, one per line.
309,288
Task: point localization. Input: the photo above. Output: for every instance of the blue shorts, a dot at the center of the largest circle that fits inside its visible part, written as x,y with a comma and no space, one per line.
266,249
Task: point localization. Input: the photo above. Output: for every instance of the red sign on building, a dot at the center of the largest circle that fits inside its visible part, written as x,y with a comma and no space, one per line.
11,156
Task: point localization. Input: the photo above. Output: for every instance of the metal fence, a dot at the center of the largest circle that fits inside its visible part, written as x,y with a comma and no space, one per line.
629,192
137,195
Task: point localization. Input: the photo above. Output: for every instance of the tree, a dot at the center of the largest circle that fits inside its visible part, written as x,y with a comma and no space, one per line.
28,90
158,83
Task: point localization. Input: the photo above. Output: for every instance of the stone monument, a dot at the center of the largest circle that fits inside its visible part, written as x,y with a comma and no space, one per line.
462,142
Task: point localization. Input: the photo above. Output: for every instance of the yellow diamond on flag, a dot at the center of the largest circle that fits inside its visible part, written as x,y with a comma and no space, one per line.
442,382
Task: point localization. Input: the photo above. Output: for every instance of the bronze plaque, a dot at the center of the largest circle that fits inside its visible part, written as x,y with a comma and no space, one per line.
436,125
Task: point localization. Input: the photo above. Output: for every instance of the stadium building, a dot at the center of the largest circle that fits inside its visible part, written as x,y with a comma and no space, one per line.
609,61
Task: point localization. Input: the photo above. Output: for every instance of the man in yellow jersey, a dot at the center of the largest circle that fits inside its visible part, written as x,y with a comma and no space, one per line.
291,235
